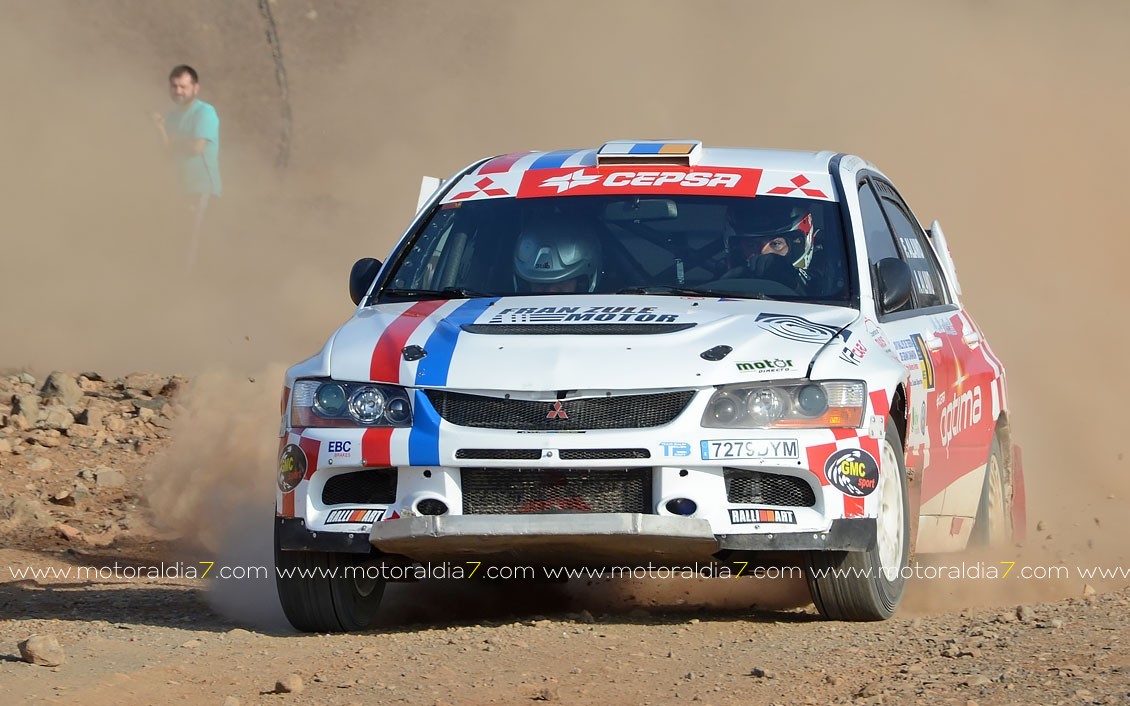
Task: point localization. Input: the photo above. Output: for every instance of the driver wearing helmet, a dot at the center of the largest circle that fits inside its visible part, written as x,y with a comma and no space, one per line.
771,239
557,258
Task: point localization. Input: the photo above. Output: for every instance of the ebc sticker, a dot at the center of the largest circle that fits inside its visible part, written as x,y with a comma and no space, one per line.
740,516
292,467
853,471
796,328
639,180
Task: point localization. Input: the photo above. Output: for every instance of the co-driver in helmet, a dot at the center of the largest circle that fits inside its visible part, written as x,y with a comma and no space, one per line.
558,257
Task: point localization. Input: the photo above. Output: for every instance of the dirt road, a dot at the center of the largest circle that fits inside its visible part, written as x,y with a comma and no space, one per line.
146,613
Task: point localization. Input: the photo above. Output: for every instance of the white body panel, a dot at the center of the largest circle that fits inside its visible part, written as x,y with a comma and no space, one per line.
954,393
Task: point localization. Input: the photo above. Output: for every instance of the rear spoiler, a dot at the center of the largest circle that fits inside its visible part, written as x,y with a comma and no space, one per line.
428,187
943,251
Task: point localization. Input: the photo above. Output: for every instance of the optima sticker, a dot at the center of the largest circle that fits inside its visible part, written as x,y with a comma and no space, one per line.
292,467
853,471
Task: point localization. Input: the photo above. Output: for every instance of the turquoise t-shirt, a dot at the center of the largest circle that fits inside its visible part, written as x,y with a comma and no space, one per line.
198,174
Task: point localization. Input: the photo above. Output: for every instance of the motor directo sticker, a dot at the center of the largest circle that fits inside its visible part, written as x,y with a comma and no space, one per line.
853,471
749,517
292,467
589,181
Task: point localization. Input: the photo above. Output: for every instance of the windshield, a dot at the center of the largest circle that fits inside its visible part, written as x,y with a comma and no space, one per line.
763,247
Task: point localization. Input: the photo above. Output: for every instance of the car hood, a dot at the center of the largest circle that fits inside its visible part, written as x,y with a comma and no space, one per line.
582,342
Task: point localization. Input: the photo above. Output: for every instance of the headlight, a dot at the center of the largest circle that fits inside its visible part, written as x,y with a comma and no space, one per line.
327,403
802,404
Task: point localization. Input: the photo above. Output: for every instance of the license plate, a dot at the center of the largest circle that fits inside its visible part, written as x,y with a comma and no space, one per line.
730,449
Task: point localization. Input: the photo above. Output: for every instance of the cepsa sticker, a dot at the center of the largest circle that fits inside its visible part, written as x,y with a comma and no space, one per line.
292,467
853,471
589,181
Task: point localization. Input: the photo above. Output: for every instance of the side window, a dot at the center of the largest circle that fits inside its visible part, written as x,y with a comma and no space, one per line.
929,288
422,263
880,241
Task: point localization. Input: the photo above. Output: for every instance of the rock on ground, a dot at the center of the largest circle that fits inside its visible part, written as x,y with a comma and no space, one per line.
43,650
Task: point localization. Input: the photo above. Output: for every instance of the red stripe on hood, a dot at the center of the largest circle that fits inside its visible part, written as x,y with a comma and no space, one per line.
385,365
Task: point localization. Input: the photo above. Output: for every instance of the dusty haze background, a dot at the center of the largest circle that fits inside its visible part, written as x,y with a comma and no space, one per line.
1005,120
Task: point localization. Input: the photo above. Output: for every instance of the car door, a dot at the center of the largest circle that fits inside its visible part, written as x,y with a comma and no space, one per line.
912,332
959,407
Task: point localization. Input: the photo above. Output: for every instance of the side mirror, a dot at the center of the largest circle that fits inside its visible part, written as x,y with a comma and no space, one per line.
361,277
894,283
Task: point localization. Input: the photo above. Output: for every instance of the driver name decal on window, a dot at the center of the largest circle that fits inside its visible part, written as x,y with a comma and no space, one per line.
639,180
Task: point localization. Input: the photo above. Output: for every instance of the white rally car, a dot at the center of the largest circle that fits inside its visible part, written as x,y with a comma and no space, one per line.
650,353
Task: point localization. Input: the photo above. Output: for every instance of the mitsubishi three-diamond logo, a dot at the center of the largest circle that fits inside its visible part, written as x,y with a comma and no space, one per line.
564,182
557,412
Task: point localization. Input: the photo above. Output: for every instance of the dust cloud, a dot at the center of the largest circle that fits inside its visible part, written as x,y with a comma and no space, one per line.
1005,120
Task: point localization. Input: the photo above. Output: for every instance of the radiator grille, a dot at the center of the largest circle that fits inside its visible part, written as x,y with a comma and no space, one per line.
564,454
767,489
613,412
602,454
511,491
500,454
372,486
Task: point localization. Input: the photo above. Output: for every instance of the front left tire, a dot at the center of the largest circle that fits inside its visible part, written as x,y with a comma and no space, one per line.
869,585
326,591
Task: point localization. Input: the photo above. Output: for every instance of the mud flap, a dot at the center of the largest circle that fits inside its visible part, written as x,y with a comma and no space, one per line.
1019,504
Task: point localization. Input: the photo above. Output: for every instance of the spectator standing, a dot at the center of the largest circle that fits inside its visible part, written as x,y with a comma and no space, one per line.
192,132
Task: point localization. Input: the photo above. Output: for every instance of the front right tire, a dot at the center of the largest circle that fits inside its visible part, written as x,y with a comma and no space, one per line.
326,592
868,585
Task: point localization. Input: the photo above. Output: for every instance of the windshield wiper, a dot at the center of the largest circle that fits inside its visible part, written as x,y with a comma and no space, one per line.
445,293
667,289
689,292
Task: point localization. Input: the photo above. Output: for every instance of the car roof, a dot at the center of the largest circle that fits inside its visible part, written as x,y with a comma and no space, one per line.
650,167
652,152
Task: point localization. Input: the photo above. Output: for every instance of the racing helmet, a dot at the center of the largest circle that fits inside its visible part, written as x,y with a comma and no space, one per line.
551,252
773,237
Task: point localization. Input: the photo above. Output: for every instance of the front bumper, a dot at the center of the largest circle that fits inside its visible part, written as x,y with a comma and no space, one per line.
582,540
426,466
594,540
